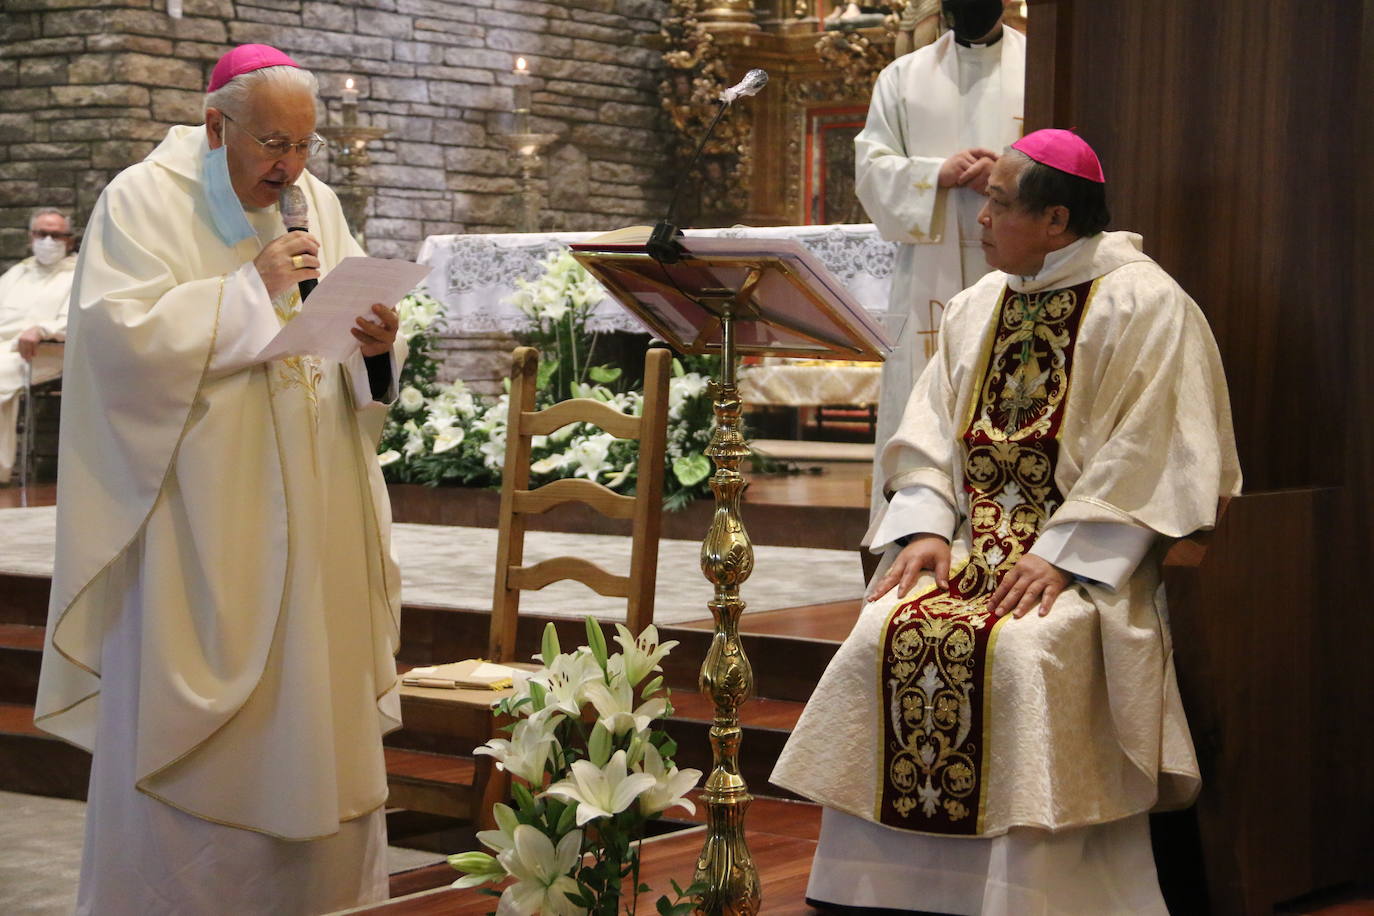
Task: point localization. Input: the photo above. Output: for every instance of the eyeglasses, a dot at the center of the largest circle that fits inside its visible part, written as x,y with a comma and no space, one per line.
278,149
49,234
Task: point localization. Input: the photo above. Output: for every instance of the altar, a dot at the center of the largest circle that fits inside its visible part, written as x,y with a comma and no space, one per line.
474,278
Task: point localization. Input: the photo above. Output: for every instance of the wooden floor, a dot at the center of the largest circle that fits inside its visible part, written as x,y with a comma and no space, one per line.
781,837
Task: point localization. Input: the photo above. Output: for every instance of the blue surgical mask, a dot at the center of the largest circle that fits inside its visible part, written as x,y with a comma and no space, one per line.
226,213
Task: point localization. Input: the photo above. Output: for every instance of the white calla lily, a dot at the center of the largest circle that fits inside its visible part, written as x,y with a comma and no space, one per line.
542,883
601,791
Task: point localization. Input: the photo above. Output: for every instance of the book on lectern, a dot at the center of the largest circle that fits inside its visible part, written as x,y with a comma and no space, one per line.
788,304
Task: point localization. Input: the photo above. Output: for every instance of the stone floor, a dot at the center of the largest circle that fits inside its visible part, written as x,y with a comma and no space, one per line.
40,854
449,566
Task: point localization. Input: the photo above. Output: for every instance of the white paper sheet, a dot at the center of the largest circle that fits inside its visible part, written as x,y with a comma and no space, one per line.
347,293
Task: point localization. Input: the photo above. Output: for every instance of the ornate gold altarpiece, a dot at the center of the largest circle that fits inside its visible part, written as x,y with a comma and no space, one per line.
786,158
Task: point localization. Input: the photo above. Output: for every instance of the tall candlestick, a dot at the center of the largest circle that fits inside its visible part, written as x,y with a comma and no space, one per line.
350,103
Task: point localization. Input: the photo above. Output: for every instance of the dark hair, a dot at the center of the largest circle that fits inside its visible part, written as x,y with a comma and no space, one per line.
1041,186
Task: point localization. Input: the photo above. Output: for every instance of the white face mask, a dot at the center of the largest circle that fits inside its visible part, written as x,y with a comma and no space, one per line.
49,251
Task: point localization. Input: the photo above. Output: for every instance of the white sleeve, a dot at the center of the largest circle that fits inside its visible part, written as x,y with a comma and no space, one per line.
899,192
914,510
1105,552
247,322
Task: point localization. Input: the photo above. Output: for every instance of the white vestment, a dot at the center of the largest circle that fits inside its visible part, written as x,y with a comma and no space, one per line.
1084,728
31,295
927,106
225,609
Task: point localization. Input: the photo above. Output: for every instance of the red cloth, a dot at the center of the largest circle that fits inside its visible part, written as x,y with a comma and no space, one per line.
245,59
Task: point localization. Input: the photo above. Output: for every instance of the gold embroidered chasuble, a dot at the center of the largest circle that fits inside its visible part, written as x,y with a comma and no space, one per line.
239,508
1092,392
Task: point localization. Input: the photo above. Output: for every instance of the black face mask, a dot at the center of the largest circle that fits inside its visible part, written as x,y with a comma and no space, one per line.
970,20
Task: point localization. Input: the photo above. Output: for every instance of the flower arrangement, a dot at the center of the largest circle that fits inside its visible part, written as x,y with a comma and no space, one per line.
438,434
582,794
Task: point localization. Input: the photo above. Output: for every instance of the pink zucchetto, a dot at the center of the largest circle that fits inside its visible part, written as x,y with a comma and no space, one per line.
246,59
1063,150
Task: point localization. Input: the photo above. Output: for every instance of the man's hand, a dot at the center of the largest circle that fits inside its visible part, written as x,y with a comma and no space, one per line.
968,168
377,337
926,551
277,268
1031,581
28,343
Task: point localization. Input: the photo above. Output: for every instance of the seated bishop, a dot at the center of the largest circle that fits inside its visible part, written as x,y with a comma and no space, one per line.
993,734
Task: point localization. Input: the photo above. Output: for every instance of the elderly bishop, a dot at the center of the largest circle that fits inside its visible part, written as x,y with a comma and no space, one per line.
992,735
224,607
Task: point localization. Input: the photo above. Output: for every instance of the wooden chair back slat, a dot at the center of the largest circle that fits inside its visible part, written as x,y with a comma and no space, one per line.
569,490
580,410
546,572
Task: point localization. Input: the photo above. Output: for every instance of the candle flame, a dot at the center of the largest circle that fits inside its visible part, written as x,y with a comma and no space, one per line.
348,83
520,64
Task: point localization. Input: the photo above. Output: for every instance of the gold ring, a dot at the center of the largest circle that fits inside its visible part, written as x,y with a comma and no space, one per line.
297,261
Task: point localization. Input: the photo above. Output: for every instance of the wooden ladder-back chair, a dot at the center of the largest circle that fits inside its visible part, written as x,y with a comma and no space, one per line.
466,715
518,501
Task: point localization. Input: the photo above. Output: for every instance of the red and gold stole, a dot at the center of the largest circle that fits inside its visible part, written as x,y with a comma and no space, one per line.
937,647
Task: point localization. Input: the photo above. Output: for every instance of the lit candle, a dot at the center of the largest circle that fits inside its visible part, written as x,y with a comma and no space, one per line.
350,103
522,93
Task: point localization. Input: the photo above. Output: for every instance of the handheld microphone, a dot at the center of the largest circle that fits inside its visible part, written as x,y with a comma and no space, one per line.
295,213
662,245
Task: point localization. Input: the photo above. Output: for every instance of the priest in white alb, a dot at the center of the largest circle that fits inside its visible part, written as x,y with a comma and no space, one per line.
224,607
936,121
33,309
993,734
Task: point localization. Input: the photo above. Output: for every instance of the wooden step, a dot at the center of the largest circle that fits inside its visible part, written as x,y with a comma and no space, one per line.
21,655
24,599
433,783
36,763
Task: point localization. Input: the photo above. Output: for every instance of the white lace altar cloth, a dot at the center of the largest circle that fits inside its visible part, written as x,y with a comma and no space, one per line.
473,276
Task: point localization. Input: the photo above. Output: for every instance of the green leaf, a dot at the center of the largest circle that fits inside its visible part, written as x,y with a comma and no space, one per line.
599,745
547,368
523,799
603,374
668,748
691,470
665,906
567,819
596,641
549,649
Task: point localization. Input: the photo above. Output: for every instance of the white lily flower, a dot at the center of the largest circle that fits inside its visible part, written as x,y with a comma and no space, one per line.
390,456
590,454
526,752
601,791
566,680
542,883
641,654
548,464
615,704
494,450
448,438
502,838
670,787
415,439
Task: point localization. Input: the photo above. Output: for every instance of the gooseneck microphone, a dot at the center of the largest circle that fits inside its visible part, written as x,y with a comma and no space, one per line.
662,245
295,214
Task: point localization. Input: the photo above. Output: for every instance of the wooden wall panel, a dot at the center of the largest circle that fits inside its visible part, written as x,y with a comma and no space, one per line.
1225,146
1238,138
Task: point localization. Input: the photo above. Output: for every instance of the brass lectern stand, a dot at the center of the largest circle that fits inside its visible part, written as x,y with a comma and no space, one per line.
733,297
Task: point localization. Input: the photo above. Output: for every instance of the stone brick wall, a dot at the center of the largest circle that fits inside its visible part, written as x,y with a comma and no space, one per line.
88,87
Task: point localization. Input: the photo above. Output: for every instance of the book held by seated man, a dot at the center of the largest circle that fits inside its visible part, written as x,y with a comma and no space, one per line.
470,674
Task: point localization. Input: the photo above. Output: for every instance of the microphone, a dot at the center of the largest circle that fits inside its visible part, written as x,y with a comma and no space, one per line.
295,213
753,81
662,245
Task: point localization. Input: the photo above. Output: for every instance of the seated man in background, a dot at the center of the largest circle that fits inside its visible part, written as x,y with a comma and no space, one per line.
33,308
972,756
